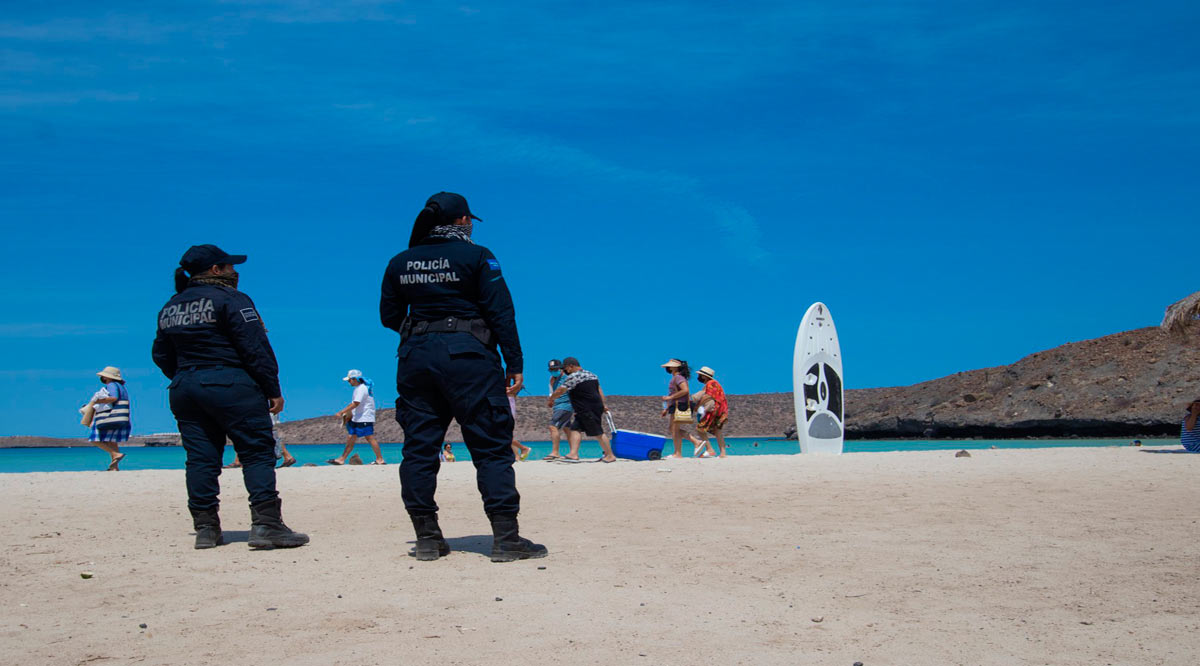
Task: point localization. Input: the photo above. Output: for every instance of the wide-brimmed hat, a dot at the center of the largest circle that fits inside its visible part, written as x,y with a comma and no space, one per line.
707,372
110,372
353,374
673,363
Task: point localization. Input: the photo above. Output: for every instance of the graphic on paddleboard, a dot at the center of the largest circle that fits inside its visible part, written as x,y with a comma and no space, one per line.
817,383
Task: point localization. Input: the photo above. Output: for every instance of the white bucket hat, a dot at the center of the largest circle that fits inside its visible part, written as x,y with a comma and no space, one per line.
353,374
111,372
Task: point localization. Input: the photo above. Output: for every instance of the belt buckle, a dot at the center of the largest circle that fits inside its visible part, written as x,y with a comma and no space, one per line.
450,323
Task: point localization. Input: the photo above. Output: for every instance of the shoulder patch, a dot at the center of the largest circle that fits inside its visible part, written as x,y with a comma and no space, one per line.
249,314
494,264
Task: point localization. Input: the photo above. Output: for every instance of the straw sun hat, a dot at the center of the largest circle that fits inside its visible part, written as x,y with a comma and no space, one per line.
707,372
671,364
112,373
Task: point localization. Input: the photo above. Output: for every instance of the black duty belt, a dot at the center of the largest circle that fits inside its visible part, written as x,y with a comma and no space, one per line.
476,327
208,366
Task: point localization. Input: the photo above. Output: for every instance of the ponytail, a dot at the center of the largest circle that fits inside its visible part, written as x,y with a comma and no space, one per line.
683,369
429,217
181,279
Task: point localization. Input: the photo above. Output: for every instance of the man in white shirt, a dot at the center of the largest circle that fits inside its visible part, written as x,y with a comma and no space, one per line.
359,417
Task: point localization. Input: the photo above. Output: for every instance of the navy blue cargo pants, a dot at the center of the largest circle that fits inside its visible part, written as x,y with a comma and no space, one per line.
211,404
440,376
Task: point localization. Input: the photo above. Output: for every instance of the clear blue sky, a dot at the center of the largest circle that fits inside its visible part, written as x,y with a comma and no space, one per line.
962,183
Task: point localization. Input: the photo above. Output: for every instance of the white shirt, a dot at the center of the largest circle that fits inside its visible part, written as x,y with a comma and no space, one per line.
365,411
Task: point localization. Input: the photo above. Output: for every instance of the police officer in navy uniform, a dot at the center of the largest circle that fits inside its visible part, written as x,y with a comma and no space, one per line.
449,302
212,345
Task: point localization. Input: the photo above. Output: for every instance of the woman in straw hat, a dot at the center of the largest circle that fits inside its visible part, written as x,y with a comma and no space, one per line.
110,425
678,399
711,408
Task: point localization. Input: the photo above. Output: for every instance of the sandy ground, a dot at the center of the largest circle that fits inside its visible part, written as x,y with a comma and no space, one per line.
1067,556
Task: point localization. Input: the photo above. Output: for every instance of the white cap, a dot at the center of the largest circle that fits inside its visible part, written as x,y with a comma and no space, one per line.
353,374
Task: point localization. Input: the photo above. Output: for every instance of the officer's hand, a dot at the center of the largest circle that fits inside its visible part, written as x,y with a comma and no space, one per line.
550,403
276,405
515,381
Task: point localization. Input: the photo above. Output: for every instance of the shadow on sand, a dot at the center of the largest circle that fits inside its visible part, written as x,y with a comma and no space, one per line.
476,543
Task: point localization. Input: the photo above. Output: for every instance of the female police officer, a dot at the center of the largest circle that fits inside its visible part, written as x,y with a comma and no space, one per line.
212,345
446,297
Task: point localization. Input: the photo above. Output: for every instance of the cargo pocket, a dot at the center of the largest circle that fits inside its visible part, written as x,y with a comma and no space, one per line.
465,349
501,411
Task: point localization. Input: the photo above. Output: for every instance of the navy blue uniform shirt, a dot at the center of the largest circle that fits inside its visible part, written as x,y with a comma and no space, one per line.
448,277
206,325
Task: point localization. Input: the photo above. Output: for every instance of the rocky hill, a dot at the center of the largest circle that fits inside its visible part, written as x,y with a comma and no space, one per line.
1128,384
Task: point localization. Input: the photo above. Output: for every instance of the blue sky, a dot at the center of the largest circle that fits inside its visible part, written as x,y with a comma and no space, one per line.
962,183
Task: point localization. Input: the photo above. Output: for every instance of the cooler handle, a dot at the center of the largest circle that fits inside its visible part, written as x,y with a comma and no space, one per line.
612,427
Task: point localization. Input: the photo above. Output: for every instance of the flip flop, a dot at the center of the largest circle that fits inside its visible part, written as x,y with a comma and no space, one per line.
524,456
112,466
377,463
333,461
570,460
606,461
552,458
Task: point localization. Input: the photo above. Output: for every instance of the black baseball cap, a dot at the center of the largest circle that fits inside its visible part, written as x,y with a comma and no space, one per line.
200,258
555,364
452,205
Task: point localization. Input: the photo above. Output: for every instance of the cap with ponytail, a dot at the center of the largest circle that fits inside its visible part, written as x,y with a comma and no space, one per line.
181,279
429,217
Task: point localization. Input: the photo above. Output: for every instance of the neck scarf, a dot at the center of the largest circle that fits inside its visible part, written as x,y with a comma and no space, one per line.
223,280
455,231
369,384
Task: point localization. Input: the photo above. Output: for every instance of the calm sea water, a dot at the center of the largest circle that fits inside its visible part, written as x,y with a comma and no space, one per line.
79,459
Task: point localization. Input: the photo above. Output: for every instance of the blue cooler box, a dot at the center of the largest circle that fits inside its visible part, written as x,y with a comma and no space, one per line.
637,445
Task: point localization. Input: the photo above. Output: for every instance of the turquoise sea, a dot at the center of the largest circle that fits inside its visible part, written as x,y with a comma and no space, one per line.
86,458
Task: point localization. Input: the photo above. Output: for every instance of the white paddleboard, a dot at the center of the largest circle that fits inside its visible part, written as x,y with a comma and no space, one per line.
817,384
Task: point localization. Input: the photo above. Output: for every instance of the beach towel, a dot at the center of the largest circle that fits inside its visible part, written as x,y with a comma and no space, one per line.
715,416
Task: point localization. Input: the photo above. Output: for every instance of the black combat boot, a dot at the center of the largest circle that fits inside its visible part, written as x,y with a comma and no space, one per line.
430,543
507,544
208,529
267,530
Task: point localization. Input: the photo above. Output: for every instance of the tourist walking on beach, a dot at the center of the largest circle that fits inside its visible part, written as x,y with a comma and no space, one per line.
712,408
224,377
359,417
587,401
1190,434
111,415
561,411
676,403
281,450
448,300
519,450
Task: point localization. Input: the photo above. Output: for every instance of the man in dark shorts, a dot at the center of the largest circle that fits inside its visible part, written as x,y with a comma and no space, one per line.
587,400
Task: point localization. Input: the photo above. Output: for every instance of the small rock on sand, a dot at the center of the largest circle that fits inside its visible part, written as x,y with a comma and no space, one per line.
354,460
963,454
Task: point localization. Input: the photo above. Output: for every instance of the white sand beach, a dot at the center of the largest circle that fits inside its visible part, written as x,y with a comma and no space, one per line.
1051,556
